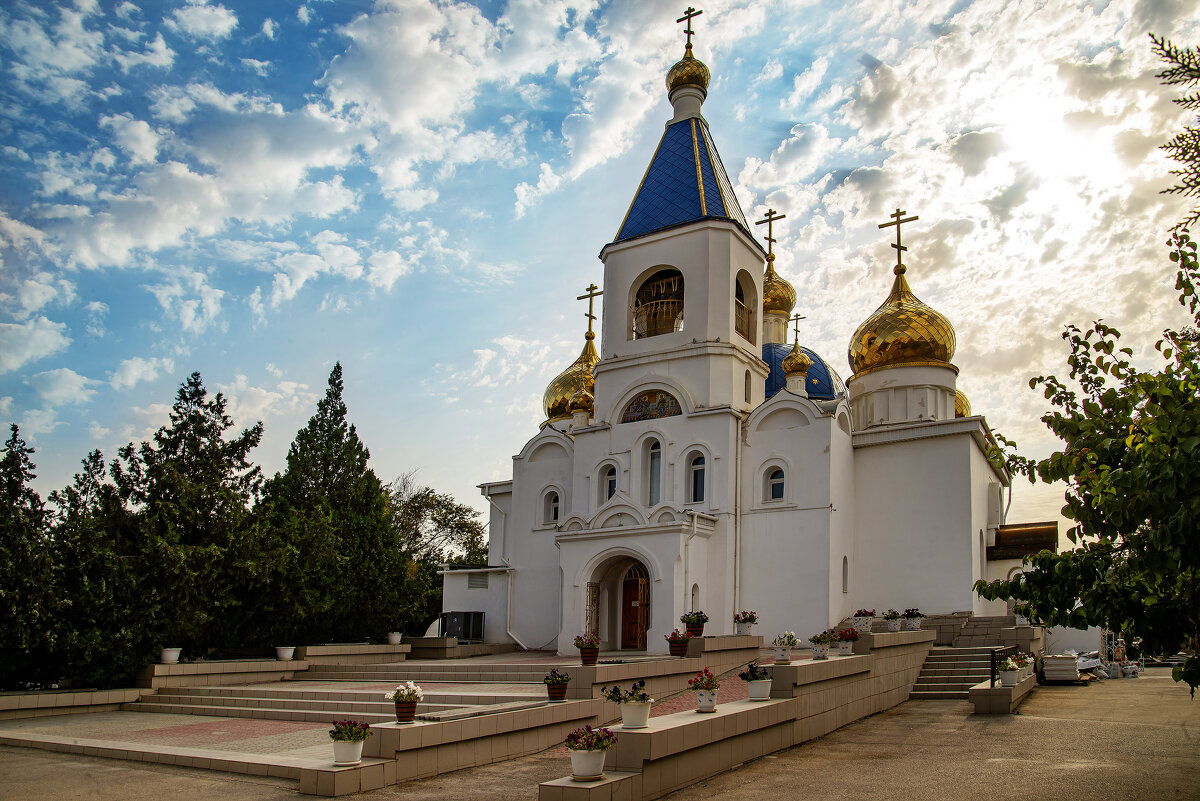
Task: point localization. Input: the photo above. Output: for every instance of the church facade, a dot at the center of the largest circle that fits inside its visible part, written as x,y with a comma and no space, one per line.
703,463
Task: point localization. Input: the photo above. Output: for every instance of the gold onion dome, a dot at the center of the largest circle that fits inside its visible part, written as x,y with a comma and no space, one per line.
901,331
779,297
581,400
557,400
962,406
796,362
688,71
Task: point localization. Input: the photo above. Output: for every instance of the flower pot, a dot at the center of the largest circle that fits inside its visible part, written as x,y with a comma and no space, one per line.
635,714
556,693
893,625
588,656
284,652
783,654
587,766
405,711
695,629
1009,678
820,651
677,647
912,623
846,648
170,656
759,690
345,753
743,628
862,625
706,700
394,637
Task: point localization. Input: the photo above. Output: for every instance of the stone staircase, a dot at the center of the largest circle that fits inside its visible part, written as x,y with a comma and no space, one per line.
983,631
950,672
315,704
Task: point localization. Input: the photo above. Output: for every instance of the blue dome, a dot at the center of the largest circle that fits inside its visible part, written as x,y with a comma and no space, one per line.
823,382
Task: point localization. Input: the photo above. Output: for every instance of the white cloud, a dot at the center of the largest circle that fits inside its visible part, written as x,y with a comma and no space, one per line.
528,195
135,137
248,403
96,311
97,432
804,84
200,20
6,406
137,369
39,421
270,28
21,343
41,289
387,267
126,10
157,54
304,14
261,68
62,386
189,299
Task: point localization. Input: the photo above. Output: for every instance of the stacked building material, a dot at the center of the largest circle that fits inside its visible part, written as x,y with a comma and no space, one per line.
1061,667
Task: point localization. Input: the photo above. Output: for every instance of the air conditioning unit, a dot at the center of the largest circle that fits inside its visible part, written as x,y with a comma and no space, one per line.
466,626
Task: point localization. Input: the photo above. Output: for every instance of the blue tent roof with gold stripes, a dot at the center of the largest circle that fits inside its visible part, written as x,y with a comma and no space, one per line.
685,182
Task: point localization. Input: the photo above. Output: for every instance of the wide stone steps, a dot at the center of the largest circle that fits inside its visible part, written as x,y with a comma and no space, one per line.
265,713
949,673
399,674
362,705
279,693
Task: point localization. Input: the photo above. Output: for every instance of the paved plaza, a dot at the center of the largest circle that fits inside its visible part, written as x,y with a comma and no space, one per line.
1133,738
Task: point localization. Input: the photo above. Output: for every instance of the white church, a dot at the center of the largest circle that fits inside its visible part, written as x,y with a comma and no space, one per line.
700,462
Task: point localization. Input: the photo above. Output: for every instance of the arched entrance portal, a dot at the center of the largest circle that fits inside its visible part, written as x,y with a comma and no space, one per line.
618,603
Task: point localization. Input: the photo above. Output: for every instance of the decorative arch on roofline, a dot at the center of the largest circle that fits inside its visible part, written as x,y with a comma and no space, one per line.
652,382
613,511
632,550
543,438
784,400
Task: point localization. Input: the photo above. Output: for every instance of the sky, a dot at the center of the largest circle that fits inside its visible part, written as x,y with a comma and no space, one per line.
257,189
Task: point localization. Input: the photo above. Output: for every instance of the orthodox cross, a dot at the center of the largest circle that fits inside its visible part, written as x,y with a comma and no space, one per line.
591,296
769,220
796,318
688,15
898,218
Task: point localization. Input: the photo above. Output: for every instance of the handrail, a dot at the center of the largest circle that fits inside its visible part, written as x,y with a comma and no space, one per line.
1006,652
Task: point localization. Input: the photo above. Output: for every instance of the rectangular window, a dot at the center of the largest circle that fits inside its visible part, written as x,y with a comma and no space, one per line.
655,470
697,484
477,581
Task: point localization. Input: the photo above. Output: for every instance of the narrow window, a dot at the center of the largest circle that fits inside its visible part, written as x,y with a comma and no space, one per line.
609,482
845,574
775,485
747,386
550,512
697,468
654,472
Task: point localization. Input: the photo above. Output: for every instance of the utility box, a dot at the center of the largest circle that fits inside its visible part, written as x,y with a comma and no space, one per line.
466,626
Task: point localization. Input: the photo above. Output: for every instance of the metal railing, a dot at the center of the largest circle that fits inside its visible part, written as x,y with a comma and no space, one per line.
657,317
741,319
998,655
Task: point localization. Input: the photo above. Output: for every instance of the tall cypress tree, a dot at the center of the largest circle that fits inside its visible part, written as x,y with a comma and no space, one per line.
26,592
330,509
192,489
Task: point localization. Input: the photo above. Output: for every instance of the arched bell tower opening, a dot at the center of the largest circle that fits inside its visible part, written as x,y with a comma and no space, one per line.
618,603
658,304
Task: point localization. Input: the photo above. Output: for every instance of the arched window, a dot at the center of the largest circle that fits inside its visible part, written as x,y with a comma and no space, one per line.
775,482
653,473
696,471
608,483
658,304
550,508
744,302
845,574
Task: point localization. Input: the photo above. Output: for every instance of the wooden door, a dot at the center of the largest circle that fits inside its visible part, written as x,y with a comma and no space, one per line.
634,593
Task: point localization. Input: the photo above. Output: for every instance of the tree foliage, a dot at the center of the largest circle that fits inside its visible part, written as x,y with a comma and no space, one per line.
1183,70
1131,444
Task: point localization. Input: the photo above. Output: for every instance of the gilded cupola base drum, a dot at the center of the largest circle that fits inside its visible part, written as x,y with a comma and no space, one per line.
913,393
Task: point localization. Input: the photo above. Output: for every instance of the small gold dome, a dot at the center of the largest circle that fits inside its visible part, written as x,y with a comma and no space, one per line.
962,406
688,71
779,297
796,362
581,400
557,400
901,331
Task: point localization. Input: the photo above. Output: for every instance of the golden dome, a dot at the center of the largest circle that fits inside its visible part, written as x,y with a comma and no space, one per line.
779,297
688,71
962,406
901,331
557,400
796,362
581,400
